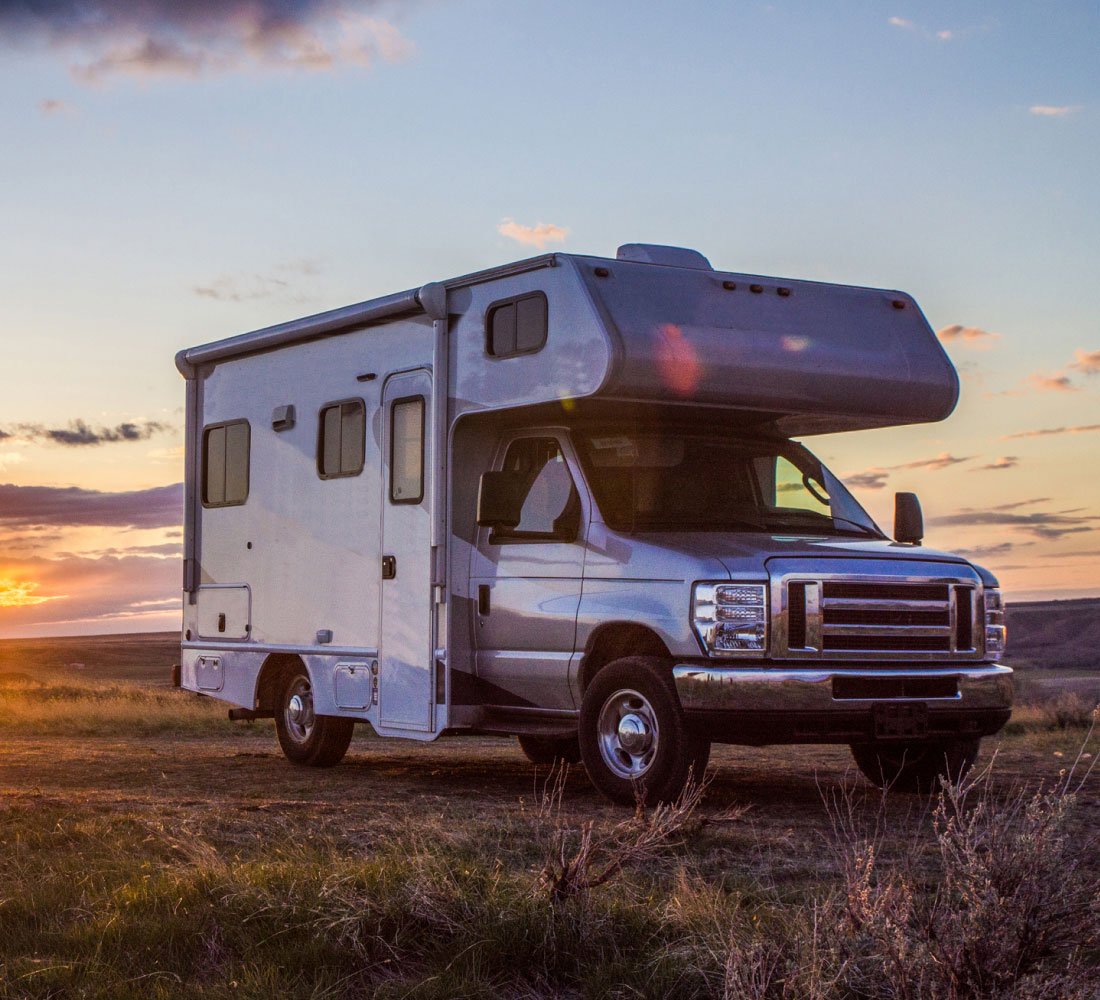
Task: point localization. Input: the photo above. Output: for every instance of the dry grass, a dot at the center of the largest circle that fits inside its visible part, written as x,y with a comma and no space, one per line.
79,707
183,865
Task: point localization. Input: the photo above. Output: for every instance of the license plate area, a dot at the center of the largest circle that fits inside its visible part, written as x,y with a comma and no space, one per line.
900,721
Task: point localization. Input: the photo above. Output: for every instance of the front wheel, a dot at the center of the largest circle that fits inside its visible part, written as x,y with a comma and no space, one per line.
307,738
633,739
915,766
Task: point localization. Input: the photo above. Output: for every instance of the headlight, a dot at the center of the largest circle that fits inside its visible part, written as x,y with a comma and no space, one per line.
995,631
731,619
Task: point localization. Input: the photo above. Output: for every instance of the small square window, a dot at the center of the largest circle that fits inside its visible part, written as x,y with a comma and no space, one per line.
225,460
342,439
517,326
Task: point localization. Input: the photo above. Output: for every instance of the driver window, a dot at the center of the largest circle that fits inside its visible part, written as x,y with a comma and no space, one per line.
551,507
794,490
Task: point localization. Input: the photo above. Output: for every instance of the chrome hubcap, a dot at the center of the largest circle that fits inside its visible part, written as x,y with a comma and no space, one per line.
298,713
628,734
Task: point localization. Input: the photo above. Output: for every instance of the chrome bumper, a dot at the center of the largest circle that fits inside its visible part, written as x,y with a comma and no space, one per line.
812,689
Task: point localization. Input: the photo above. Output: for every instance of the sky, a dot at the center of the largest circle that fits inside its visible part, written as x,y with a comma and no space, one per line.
177,173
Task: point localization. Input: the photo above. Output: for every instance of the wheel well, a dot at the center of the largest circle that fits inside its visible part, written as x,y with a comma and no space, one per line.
273,675
616,640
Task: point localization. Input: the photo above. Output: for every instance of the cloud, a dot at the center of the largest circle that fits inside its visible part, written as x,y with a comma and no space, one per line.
10,458
971,336
1052,383
1041,525
79,434
165,550
869,479
231,289
46,591
1054,110
875,477
1017,504
1004,462
941,35
248,287
22,506
1047,431
149,38
52,106
983,551
535,236
942,461
1087,362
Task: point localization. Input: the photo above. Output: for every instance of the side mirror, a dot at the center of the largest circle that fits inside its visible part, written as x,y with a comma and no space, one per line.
500,498
908,519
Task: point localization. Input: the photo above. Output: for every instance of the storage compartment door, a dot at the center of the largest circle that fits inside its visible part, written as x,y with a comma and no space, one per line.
224,612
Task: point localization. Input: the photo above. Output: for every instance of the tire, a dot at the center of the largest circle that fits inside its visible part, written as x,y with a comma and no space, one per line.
545,751
633,739
915,767
308,739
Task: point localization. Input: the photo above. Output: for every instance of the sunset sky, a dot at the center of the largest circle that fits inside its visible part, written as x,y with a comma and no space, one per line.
179,172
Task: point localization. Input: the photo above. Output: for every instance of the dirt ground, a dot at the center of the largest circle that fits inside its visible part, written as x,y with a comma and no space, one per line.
231,787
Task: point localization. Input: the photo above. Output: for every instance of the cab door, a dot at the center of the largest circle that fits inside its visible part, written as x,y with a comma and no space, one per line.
527,581
405,672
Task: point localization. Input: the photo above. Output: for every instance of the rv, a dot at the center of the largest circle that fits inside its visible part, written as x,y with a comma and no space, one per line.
565,500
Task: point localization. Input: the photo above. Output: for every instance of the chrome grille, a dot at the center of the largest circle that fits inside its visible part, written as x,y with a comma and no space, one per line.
842,619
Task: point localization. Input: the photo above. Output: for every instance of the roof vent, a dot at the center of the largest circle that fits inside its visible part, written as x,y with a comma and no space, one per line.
654,253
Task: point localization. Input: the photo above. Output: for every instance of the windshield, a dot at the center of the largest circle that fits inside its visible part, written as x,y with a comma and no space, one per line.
686,481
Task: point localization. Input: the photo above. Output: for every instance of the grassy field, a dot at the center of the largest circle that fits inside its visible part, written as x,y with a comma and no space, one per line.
150,848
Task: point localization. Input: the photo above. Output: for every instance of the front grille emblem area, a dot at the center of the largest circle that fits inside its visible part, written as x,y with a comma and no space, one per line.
845,619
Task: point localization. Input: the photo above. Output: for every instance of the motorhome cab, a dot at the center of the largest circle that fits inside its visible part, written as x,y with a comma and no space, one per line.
565,499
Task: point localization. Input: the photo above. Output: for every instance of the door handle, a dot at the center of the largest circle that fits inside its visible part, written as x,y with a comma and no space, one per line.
389,567
483,599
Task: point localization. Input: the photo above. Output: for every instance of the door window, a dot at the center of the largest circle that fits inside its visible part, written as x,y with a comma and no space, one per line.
407,450
551,507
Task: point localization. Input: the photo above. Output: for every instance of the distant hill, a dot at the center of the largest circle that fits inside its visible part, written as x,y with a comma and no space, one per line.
1062,635
1054,635
142,656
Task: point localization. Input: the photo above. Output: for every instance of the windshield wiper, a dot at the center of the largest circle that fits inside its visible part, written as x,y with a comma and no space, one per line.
827,522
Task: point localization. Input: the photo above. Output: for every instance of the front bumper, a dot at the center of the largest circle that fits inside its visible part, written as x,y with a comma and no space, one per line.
758,705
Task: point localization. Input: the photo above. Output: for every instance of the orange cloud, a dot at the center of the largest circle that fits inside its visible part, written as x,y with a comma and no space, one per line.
1052,383
1047,431
1054,110
1004,462
534,236
1087,362
971,336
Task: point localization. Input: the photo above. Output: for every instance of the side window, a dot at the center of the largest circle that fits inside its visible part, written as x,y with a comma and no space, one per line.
516,326
341,439
551,507
795,491
225,457
407,450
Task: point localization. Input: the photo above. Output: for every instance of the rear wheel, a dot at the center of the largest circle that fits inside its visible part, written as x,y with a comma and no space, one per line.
915,766
307,738
633,739
547,750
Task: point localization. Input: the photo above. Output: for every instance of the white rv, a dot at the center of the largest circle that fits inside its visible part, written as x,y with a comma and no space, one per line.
562,499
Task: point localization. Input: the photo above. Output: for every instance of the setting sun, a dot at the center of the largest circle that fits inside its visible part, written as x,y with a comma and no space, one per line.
16,594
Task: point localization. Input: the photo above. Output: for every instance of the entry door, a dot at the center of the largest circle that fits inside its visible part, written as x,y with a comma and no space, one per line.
528,581
405,682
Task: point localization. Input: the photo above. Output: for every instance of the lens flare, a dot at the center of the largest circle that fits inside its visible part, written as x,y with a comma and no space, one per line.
677,361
